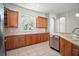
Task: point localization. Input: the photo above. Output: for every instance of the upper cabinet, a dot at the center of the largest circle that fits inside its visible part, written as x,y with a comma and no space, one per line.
11,18
41,22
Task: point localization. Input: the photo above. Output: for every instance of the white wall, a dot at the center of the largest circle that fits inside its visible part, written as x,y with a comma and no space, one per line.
22,11
51,26
71,21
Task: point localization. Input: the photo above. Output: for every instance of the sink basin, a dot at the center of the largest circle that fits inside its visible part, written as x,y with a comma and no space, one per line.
75,37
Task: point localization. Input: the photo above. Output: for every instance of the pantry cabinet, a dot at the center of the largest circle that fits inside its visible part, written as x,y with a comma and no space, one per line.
10,18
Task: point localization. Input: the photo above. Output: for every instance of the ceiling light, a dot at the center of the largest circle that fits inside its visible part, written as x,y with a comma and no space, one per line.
77,14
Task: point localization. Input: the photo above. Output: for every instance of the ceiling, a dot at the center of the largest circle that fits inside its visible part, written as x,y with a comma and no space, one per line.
50,7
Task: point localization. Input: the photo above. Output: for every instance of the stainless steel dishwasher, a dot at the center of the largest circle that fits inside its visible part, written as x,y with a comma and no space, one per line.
54,42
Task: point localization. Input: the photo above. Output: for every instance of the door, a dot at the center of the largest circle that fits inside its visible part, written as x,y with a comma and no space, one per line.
2,46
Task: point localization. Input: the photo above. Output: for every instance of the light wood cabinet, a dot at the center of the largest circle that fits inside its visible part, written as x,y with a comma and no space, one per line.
65,47
10,18
11,42
25,40
68,47
41,22
62,46
75,50
21,40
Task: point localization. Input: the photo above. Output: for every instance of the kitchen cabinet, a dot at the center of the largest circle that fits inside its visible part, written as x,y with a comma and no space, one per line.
62,46
34,38
17,41
21,40
65,47
38,38
75,50
10,18
28,40
68,47
11,42
41,22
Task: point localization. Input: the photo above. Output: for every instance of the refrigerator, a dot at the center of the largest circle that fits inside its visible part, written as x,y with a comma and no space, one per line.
2,43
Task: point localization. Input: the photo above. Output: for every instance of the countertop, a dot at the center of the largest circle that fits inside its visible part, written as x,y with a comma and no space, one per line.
71,38
12,34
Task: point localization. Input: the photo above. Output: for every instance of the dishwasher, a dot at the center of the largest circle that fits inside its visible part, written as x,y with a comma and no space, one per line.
54,42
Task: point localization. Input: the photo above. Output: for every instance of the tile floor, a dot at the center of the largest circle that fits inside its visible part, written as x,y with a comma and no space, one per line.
40,49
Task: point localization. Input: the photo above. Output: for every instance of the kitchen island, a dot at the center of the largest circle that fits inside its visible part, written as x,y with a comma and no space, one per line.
69,44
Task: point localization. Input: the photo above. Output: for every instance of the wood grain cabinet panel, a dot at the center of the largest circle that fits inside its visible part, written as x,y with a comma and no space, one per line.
68,47
65,47
11,18
62,46
75,50
33,37
38,38
28,40
25,40
41,22
10,42
16,42
21,40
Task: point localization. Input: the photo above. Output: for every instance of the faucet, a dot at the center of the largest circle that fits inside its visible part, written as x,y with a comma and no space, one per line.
74,30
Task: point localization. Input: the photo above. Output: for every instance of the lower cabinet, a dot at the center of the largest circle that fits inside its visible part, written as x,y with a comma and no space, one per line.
21,40
75,50
25,40
65,47
11,42
28,40
68,47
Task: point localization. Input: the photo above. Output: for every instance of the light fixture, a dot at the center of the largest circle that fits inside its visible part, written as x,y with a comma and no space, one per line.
77,14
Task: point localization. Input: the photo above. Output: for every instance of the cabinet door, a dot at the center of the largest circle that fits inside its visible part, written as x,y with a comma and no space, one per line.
39,22
41,38
21,40
10,42
28,40
34,38
44,22
75,50
38,38
62,46
46,37
12,18
68,48
16,42
7,43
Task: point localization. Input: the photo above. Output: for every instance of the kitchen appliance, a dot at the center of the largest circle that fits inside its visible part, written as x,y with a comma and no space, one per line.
2,45
54,42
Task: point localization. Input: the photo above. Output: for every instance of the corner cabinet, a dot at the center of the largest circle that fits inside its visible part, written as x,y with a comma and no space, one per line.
41,22
10,18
